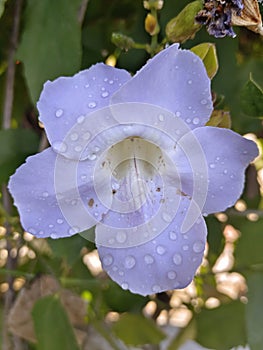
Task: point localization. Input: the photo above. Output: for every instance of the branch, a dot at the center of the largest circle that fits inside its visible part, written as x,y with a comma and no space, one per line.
6,124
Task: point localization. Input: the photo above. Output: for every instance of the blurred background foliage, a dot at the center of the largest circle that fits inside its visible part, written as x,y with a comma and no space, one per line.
53,293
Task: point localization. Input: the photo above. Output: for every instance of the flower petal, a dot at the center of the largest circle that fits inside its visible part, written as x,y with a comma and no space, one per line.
227,155
176,80
166,262
48,198
65,101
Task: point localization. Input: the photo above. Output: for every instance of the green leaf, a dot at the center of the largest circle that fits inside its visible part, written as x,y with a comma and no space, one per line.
120,300
2,7
183,26
15,146
52,326
254,312
67,248
215,238
252,99
51,42
136,330
249,246
222,328
207,53
220,118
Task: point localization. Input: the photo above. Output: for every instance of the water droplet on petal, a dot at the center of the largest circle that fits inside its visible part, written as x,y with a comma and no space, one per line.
121,237
160,249
107,260
129,262
225,171
166,217
161,117
156,288
203,102
111,241
59,113
51,226
80,119
188,120
124,286
92,156
86,136
185,247
31,230
173,235
92,104
59,146
148,259
212,165
54,235
177,114
45,194
111,82
73,230
78,149
196,121
105,94
189,82
74,136
60,221
198,247
177,259
171,275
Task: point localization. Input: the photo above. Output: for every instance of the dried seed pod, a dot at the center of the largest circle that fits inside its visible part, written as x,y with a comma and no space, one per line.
249,17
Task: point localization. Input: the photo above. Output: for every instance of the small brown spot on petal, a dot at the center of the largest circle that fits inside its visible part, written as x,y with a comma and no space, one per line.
91,202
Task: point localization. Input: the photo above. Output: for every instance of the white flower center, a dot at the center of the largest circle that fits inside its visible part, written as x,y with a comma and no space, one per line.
133,169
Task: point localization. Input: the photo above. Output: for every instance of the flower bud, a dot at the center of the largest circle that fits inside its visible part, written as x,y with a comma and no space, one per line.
122,41
153,4
151,24
183,26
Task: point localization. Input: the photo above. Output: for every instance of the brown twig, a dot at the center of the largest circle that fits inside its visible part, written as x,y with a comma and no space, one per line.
8,343
82,11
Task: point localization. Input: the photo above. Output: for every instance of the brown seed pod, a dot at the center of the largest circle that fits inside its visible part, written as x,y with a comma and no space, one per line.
250,17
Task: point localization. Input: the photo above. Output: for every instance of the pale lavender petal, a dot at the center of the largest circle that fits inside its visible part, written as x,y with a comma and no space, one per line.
166,262
227,155
47,195
176,80
65,101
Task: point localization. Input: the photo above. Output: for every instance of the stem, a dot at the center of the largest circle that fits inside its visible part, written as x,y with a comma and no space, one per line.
82,11
154,41
9,344
10,78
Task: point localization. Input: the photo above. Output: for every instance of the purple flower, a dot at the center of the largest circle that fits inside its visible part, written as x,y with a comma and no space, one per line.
132,155
217,15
